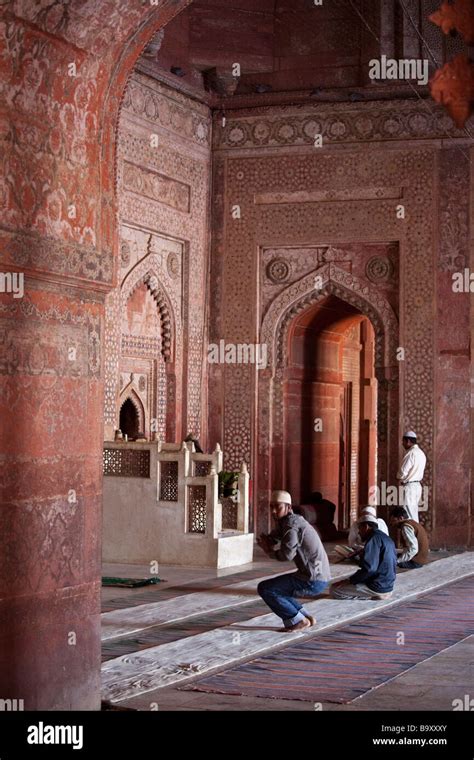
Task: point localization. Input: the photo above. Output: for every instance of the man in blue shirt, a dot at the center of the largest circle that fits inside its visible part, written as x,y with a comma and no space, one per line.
378,566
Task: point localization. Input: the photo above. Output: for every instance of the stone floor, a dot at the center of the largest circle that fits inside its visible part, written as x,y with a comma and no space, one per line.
431,685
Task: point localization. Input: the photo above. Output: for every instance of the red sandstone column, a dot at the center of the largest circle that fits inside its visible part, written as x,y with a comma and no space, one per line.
452,466
63,76
51,407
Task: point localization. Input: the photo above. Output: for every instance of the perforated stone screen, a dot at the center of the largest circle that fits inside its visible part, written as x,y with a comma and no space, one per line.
126,463
169,481
202,469
229,514
197,509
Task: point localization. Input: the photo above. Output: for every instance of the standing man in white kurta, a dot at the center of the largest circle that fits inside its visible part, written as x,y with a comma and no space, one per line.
411,473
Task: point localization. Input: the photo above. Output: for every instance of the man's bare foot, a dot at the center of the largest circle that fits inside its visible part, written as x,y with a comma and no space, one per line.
298,627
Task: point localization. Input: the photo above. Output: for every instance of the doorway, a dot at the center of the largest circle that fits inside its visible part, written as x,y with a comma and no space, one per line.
330,407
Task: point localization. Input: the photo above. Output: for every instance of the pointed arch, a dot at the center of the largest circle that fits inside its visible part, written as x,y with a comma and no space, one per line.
276,322
130,394
330,279
145,273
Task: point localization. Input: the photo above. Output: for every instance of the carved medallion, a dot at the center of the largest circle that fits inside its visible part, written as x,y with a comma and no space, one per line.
278,271
379,269
261,132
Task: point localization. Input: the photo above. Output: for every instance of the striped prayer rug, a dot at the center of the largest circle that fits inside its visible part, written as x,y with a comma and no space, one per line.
344,664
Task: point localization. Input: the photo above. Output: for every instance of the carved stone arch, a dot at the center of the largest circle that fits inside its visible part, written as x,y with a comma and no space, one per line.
344,295
130,394
145,273
165,311
276,323
326,280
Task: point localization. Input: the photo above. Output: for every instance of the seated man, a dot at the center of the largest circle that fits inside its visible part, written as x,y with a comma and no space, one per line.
356,545
320,513
378,564
414,539
299,542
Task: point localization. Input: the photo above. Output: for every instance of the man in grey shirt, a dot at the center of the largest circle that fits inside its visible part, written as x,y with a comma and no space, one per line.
298,541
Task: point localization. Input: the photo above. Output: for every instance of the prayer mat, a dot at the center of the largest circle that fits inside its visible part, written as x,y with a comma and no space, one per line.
130,582
347,662
172,592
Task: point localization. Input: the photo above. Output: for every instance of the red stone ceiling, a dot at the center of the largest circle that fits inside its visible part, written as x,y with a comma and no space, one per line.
287,45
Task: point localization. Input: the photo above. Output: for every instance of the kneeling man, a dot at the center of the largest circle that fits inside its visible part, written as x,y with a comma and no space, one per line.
414,538
299,542
378,565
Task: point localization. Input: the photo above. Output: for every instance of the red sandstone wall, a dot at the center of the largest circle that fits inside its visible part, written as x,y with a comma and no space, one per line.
294,199
163,198
275,43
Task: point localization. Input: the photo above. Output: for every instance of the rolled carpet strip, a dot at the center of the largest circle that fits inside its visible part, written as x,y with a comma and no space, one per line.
130,582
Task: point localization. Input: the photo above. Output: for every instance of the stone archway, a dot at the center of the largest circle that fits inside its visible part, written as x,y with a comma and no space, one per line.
158,358
299,296
145,274
131,401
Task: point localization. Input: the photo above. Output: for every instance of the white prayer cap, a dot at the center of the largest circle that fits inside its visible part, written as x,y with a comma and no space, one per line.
410,434
280,496
369,511
368,519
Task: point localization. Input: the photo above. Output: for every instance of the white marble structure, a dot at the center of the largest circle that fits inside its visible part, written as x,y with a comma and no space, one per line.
161,504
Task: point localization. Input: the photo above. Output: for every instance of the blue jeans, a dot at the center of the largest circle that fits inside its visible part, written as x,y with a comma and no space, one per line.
279,594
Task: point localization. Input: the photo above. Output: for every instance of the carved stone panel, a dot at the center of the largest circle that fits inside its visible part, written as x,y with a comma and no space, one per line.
163,180
359,227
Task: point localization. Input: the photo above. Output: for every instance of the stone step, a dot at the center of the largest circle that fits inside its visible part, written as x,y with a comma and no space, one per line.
129,620
177,661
